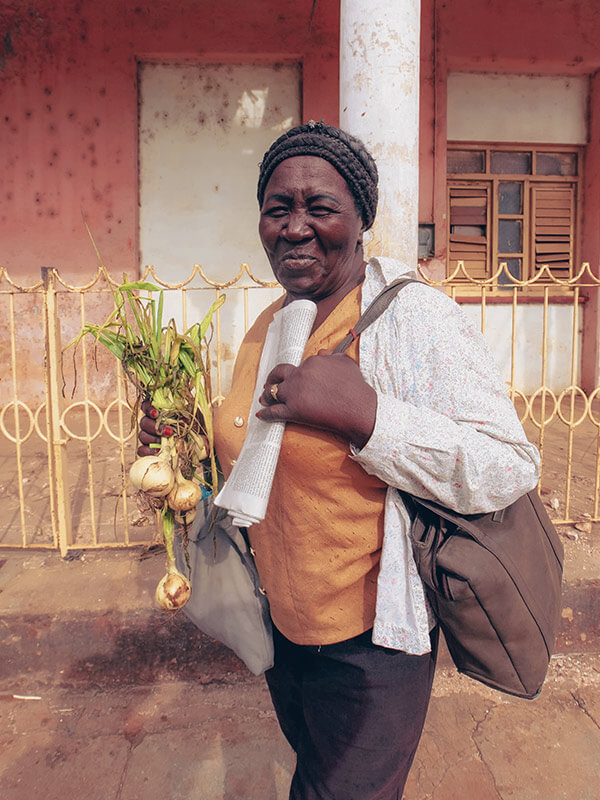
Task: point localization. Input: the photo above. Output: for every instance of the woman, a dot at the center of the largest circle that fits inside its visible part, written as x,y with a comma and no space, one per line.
415,404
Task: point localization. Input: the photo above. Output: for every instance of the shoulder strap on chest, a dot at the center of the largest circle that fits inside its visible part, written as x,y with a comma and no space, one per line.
374,310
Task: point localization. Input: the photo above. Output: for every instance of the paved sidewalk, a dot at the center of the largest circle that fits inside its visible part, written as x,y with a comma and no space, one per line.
104,698
183,740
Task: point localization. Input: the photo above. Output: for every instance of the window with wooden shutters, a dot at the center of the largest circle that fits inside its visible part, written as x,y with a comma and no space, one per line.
468,226
513,205
552,224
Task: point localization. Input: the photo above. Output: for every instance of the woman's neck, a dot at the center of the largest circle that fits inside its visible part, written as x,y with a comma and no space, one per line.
327,304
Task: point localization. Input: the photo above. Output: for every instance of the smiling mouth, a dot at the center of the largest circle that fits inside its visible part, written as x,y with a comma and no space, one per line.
299,258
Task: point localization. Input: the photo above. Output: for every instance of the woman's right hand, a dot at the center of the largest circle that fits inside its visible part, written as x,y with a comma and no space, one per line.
150,430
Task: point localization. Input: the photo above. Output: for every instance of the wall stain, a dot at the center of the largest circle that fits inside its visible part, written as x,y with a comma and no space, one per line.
7,49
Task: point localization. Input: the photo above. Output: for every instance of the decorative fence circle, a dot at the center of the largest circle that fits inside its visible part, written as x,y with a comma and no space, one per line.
15,405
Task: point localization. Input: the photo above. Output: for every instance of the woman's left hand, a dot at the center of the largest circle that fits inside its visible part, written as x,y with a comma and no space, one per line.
326,391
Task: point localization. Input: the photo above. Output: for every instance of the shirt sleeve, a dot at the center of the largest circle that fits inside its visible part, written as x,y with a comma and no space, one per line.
445,428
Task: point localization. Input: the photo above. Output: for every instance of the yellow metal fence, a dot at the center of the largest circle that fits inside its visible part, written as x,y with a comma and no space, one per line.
67,436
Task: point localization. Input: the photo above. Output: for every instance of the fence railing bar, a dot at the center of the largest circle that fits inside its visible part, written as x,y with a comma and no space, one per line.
574,338
53,382
13,362
88,430
124,467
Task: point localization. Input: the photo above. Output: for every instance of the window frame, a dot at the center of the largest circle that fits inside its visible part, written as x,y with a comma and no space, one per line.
530,181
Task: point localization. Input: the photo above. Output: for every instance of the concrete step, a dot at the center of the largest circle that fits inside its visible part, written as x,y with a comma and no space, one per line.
91,619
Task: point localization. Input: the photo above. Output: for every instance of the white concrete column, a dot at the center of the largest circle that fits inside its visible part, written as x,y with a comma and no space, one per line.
379,103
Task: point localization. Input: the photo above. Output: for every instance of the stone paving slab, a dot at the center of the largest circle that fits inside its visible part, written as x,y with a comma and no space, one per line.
182,740
481,745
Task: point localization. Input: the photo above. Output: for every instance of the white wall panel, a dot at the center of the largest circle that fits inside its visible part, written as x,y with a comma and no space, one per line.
490,107
203,130
529,339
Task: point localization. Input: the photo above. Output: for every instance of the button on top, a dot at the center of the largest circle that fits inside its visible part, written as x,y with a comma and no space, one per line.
238,422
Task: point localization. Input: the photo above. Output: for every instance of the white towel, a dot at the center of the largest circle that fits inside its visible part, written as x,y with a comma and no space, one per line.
246,492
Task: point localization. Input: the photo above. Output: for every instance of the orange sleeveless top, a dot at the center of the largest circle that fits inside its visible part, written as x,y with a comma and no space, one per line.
318,548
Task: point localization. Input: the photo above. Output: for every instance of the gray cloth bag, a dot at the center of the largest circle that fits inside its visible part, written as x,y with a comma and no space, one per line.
226,602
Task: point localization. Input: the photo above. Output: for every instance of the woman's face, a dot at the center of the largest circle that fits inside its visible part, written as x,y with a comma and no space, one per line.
310,228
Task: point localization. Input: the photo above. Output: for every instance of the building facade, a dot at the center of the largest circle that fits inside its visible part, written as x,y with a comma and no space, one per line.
148,120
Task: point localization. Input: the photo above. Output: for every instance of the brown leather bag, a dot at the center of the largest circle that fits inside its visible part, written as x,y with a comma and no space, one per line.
494,582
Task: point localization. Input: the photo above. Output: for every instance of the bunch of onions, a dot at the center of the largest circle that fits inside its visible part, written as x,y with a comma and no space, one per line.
171,370
159,477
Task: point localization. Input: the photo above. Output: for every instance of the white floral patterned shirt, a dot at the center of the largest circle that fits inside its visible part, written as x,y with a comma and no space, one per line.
445,430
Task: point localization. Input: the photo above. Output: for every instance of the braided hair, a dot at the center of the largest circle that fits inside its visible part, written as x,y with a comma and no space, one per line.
345,152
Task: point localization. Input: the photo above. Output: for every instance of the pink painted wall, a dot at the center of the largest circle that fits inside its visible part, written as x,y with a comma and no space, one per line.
68,89
590,372
532,36
68,94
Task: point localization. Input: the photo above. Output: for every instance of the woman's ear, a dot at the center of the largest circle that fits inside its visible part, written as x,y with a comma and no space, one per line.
360,240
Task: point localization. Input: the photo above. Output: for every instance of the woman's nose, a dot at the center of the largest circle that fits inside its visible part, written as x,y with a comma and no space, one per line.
297,226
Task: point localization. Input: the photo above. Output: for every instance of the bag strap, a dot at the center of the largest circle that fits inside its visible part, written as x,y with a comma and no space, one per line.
374,310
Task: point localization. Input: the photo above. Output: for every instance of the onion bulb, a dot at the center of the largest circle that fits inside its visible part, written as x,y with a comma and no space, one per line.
154,474
173,591
185,495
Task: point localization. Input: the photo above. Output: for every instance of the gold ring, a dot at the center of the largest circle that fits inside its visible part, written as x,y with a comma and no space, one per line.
273,390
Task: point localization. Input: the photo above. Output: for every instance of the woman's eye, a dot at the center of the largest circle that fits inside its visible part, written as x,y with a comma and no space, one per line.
276,211
320,211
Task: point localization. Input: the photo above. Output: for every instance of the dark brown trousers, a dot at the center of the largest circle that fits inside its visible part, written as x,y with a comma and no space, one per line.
353,712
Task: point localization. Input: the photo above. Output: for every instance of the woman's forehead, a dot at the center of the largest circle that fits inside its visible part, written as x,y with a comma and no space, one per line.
306,174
